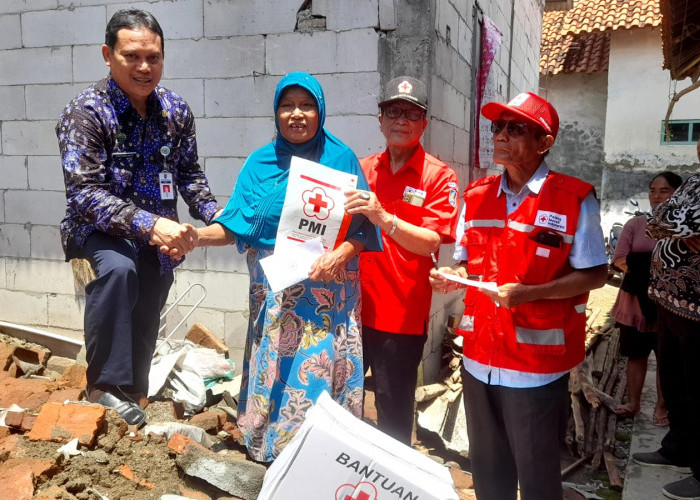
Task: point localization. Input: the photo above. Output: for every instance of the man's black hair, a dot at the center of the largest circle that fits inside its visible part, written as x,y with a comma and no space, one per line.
131,19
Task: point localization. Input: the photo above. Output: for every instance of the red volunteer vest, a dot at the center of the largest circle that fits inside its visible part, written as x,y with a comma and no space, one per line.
531,246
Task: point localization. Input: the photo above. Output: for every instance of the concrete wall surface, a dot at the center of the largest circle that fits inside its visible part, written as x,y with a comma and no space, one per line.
580,99
225,59
639,93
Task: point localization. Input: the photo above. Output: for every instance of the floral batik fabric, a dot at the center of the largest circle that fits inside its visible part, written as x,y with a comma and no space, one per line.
301,341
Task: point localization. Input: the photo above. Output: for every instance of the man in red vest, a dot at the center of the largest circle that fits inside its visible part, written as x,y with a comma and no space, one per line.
535,235
414,202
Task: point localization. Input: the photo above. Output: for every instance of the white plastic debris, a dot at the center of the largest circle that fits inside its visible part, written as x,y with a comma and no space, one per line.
70,449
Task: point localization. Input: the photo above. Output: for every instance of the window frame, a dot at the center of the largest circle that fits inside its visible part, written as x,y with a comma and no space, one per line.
694,128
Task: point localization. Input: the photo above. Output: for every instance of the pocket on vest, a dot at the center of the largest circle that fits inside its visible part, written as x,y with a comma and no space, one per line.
539,328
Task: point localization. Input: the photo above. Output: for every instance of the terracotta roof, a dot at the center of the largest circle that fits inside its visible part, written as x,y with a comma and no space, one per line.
563,53
602,15
578,40
680,34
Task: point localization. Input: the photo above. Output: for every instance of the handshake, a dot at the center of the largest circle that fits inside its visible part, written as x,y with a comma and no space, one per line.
174,239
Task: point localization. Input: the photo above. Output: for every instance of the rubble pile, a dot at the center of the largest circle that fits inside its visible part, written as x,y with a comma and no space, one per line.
54,445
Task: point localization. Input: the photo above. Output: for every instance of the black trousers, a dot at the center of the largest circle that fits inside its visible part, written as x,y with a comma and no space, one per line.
515,437
122,309
394,360
679,373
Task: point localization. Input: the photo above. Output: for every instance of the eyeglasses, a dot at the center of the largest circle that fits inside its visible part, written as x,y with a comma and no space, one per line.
515,129
395,112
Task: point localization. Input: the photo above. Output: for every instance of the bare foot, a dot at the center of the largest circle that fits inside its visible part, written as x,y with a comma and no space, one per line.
660,417
627,410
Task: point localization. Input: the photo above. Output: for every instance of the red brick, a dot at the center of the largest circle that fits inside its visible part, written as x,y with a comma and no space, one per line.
35,401
63,395
28,422
9,444
14,418
234,431
18,482
199,335
126,471
193,494
18,390
4,432
18,476
221,415
179,443
61,423
35,355
5,356
207,421
73,377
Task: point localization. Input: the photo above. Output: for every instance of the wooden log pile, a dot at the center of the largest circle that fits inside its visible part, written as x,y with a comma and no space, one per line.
596,387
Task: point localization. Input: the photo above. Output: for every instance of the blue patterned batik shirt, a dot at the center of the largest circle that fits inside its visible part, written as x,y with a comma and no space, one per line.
112,159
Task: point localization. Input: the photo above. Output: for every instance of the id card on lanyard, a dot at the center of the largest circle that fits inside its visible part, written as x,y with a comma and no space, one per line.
165,178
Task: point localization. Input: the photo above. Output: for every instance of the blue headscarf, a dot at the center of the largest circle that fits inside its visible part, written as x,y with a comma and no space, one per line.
253,212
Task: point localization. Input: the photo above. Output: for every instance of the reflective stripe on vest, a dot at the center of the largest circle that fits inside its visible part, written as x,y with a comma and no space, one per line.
580,308
554,336
484,223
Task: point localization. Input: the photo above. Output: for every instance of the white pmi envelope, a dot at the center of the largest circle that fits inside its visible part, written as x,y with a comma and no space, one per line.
314,205
284,269
485,285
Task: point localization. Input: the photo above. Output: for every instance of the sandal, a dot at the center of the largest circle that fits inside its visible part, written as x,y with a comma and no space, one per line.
128,410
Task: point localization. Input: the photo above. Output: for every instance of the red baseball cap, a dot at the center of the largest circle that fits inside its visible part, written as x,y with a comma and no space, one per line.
529,106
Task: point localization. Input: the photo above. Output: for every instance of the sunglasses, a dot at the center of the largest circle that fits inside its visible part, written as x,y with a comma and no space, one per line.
515,129
395,112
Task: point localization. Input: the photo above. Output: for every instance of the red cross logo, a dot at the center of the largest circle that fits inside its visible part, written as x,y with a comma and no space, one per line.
543,218
405,87
360,496
360,491
317,203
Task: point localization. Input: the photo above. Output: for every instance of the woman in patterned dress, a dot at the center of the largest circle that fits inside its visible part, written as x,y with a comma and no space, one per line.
306,338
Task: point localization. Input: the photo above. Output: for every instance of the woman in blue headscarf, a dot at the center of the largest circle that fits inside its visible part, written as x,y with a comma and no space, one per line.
306,338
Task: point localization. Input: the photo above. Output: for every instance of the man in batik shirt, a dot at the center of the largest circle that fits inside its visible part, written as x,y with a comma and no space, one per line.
127,147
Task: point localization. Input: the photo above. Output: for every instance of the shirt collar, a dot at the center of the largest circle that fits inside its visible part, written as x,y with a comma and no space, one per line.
533,185
121,102
415,161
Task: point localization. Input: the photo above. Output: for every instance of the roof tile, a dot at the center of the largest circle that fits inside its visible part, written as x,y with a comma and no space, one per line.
578,40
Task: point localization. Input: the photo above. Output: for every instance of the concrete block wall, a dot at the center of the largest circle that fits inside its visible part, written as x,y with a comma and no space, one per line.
225,59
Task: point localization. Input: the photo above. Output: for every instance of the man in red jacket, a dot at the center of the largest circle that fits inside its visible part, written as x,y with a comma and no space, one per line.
414,201
536,235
